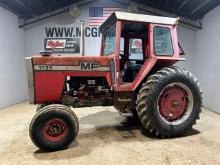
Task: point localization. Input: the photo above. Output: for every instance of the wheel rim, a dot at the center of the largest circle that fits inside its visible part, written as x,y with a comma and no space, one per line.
55,129
175,103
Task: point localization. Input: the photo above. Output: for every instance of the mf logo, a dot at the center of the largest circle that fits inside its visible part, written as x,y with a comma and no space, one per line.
89,65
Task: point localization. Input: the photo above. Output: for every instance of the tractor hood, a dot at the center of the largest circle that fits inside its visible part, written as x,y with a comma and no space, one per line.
46,74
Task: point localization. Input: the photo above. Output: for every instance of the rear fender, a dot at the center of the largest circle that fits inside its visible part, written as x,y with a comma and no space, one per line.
146,68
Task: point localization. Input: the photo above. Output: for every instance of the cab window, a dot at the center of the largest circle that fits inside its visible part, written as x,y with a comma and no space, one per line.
122,43
162,41
109,41
135,49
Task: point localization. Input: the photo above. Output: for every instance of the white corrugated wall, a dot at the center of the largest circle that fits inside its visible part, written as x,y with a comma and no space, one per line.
12,66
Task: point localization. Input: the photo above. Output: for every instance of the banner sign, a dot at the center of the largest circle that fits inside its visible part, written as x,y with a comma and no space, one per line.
67,39
69,32
62,45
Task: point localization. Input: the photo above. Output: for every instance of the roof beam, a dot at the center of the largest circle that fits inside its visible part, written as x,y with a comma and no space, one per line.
199,7
27,7
166,2
182,4
8,8
52,13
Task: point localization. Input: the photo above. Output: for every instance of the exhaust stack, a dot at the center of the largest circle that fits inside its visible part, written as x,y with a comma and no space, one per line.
82,40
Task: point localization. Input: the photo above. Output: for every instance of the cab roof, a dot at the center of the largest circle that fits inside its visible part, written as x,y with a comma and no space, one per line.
124,16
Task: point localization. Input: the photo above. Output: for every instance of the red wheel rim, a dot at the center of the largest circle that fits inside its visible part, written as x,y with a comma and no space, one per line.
173,103
55,129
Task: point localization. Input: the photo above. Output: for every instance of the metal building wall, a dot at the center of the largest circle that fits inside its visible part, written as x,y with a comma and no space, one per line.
207,59
12,67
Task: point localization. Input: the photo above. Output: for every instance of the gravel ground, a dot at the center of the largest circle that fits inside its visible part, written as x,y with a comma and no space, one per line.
107,138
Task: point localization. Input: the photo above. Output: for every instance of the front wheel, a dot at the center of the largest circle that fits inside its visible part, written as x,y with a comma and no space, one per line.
54,127
169,102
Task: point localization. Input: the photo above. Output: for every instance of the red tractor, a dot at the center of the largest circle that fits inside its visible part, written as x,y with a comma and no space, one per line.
134,73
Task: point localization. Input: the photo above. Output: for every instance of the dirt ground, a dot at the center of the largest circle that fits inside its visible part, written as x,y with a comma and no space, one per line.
107,138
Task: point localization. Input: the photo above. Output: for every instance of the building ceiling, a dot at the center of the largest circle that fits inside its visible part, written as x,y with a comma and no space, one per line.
192,9
29,9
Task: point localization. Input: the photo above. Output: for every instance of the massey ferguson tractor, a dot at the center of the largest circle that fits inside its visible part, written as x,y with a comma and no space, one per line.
134,73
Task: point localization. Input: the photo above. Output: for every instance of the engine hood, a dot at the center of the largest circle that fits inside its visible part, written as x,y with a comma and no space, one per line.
47,73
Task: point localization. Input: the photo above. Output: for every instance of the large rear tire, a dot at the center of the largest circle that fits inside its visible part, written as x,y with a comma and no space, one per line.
54,127
169,102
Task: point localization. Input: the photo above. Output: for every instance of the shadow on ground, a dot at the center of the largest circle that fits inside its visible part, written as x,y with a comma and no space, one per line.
109,127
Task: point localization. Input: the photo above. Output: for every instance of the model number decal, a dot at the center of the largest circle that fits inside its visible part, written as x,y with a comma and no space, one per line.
83,66
45,67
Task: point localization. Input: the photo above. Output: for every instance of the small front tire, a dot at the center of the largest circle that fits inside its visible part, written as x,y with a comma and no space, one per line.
54,127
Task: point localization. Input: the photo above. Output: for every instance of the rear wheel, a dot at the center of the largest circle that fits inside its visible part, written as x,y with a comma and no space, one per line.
169,102
54,127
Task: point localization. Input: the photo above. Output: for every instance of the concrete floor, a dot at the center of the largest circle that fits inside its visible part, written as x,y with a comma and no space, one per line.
107,138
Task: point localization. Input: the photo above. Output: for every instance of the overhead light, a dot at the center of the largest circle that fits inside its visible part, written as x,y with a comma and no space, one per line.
74,11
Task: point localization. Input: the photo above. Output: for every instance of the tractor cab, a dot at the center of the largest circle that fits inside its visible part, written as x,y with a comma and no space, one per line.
132,41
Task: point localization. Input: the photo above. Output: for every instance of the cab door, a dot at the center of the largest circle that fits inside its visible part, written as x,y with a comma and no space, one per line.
110,48
115,58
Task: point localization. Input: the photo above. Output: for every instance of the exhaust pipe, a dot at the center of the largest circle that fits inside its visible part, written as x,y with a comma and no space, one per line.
82,41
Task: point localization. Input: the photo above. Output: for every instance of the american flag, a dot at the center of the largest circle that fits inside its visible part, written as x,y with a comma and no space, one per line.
97,15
